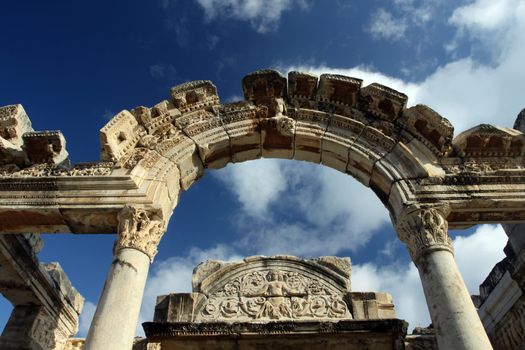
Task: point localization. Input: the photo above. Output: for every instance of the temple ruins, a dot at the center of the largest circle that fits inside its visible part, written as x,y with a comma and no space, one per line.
429,179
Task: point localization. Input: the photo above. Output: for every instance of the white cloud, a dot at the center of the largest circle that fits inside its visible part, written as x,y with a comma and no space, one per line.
85,318
496,27
264,15
477,254
384,25
402,282
405,15
486,14
233,98
336,211
255,184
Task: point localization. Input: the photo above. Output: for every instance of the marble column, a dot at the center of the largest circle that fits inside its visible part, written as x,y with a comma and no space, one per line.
454,316
113,326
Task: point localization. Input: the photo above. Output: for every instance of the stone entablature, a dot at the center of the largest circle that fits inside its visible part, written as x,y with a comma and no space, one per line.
151,154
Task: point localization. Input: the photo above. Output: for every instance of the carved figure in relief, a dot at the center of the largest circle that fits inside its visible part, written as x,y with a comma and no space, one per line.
275,292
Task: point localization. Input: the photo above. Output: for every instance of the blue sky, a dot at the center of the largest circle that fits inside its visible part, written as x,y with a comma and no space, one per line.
75,64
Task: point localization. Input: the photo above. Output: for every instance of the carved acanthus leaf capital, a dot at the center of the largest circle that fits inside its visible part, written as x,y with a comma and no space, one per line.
424,230
140,229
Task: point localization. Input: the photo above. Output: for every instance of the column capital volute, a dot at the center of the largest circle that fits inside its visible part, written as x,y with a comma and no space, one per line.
140,229
424,229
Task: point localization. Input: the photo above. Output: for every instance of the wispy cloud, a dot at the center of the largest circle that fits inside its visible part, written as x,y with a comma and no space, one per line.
163,71
263,15
107,114
213,40
383,25
396,23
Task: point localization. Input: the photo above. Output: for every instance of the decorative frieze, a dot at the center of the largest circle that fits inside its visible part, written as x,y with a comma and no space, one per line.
274,294
51,170
140,229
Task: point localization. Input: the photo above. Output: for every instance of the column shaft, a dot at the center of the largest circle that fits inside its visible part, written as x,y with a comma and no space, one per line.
453,313
454,317
115,321
139,233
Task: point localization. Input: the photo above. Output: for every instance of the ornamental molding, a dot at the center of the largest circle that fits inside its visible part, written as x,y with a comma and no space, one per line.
140,229
424,230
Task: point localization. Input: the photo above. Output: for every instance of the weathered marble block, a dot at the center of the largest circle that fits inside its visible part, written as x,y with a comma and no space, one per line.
310,128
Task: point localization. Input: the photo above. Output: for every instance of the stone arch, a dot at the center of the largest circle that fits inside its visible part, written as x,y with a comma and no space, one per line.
428,180
366,132
405,155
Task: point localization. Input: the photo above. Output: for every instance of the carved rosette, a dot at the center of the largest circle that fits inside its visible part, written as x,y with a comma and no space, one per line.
140,229
424,230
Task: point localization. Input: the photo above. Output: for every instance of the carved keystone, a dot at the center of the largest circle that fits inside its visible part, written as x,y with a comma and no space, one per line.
267,88
428,127
302,88
382,101
194,95
45,147
490,141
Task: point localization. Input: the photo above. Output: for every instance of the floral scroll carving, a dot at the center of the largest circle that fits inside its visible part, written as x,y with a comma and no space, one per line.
275,294
424,230
140,229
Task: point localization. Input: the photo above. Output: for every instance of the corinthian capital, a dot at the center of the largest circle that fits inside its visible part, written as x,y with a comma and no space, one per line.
140,229
423,230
